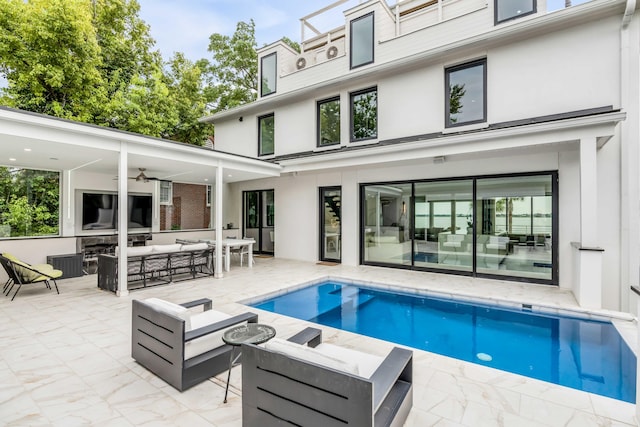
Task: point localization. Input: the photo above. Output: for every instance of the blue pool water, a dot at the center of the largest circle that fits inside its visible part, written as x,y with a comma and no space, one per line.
583,354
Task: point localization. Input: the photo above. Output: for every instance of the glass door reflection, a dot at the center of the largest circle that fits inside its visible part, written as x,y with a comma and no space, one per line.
330,224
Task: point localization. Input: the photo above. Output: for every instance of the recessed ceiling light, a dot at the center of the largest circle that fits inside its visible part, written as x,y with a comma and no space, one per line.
206,180
27,149
11,159
229,175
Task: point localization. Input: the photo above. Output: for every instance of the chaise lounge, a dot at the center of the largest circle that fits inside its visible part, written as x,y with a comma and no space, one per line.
305,382
181,346
20,273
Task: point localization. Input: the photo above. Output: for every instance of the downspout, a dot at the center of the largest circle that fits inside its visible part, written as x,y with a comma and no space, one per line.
628,13
629,177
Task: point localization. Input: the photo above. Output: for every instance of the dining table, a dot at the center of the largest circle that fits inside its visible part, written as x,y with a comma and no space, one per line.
228,244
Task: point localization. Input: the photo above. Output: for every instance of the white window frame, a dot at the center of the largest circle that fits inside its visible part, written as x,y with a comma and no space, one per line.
168,200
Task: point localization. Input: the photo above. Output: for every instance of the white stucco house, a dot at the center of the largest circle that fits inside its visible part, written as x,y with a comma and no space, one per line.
494,138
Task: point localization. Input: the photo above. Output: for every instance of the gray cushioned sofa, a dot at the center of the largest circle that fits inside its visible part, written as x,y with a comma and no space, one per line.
181,345
305,382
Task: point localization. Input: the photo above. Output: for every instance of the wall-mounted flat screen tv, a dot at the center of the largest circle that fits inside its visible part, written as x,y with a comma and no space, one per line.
100,211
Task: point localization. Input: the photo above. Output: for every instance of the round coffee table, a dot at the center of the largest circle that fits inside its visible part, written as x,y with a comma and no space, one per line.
251,333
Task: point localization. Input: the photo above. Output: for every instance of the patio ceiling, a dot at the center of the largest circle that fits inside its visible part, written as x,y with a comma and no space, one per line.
41,142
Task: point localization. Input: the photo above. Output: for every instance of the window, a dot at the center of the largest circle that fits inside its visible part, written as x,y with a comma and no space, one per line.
29,202
266,130
209,195
268,74
189,210
484,226
329,122
165,193
513,9
466,88
362,41
364,115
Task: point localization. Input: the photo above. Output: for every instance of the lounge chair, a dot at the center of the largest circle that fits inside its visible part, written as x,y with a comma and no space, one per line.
181,346
305,382
20,273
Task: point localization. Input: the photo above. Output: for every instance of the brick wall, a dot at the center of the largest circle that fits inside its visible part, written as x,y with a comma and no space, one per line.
189,210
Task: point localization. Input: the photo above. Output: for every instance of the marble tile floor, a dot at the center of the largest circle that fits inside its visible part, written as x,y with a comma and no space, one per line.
65,359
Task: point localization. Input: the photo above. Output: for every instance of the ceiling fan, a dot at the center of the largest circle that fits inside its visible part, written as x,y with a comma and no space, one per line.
144,178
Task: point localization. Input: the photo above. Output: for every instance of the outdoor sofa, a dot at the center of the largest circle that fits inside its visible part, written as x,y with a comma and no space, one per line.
157,264
182,346
305,382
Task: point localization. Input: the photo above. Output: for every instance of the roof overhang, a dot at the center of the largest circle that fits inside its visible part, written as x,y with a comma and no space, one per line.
42,142
549,136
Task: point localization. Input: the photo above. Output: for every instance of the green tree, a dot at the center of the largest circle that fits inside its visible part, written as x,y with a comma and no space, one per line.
185,80
233,75
50,57
456,92
29,202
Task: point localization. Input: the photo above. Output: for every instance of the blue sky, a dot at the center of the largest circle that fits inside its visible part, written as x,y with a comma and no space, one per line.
185,25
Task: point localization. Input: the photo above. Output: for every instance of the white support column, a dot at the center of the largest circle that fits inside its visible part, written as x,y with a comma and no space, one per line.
588,192
218,211
587,286
123,221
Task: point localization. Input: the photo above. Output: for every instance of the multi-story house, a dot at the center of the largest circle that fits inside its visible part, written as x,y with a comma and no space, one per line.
494,138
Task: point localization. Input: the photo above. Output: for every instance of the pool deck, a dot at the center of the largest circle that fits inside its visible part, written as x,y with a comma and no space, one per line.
65,359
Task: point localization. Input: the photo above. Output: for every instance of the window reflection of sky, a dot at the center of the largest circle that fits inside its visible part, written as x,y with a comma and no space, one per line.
472,103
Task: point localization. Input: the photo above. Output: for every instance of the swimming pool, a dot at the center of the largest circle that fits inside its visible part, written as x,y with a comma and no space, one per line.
580,353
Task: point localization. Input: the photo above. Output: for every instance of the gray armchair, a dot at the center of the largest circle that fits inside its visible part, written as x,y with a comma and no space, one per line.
179,345
305,382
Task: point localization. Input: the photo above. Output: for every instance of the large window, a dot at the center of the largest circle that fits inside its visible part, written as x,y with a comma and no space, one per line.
189,208
266,135
484,226
443,233
386,221
329,122
362,41
268,68
29,202
512,9
466,100
364,114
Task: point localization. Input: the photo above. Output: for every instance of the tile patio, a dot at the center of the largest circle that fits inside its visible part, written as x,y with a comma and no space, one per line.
65,359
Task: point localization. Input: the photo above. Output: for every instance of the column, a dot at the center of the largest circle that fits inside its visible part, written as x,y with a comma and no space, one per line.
123,221
587,286
218,212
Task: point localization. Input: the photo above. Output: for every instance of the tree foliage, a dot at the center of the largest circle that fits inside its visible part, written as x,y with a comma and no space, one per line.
233,74
29,202
94,61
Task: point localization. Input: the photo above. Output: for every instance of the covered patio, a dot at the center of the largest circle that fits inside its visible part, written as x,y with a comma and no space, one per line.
65,359
96,158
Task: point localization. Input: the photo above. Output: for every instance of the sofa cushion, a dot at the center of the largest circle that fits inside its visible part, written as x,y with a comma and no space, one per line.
139,250
209,341
176,247
312,355
195,247
172,309
367,363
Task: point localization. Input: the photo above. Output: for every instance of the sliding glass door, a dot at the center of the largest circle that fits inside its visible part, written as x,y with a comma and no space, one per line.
330,224
259,219
485,226
515,232
443,231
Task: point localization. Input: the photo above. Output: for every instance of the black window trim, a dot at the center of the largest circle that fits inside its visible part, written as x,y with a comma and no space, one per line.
275,89
356,93
447,98
511,18
318,104
373,51
260,118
